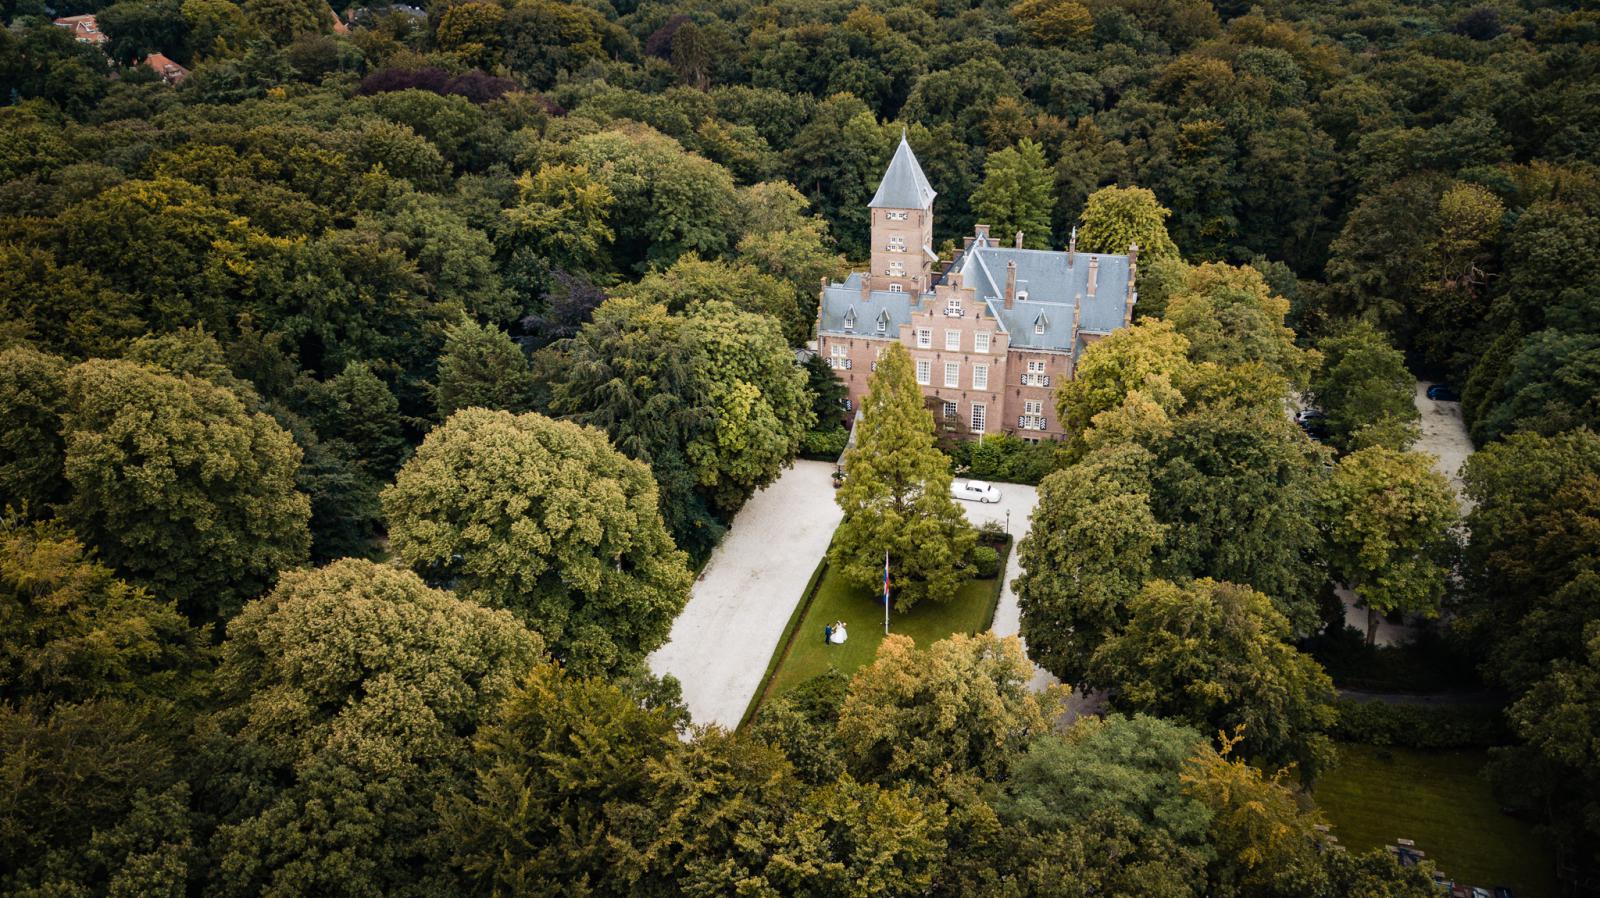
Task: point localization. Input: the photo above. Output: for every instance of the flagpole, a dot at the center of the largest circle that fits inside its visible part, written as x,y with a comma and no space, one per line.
886,592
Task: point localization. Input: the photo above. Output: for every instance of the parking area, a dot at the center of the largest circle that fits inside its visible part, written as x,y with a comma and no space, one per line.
722,641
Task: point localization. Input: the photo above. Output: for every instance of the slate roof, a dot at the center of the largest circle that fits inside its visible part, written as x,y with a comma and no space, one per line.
1051,285
839,300
904,186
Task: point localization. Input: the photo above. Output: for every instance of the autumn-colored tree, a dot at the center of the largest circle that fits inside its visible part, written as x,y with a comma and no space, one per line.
896,495
1054,22
1144,359
544,518
562,215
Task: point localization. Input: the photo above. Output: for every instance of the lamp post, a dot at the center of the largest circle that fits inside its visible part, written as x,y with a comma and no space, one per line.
1008,522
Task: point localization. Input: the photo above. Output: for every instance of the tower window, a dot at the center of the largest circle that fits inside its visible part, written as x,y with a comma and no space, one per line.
895,216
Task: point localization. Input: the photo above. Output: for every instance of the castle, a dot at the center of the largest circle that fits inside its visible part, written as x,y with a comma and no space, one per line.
990,333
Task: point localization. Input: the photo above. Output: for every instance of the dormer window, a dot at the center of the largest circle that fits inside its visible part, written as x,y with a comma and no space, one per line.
1041,324
850,320
1022,296
883,322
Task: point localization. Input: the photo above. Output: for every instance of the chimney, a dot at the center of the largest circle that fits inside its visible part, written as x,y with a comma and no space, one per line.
1127,311
983,232
1019,240
966,244
1011,283
1094,274
1072,247
1072,345
866,287
1133,255
1133,272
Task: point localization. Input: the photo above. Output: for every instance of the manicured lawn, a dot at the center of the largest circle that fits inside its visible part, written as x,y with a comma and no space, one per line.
862,612
1438,799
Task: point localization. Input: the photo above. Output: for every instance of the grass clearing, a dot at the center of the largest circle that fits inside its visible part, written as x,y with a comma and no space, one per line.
805,655
1378,794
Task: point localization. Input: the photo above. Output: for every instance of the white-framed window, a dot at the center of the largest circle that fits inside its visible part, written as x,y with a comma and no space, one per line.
924,338
895,216
1040,323
841,356
896,288
980,341
980,417
952,307
952,341
952,374
924,371
896,269
883,322
980,377
897,243
949,410
1035,376
1035,366
850,319
1032,407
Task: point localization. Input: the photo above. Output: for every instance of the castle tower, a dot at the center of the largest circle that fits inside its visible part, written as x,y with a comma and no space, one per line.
902,227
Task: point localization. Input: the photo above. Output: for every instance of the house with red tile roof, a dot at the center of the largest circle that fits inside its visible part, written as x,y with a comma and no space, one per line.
84,29
170,72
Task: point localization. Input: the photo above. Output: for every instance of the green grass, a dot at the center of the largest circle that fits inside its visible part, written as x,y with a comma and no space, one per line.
804,655
1376,795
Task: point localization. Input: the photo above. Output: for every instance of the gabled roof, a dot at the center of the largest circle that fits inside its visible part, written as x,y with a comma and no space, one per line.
904,186
1053,288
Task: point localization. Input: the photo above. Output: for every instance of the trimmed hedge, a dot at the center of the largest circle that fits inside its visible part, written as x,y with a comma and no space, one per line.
1002,458
1421,726
823,445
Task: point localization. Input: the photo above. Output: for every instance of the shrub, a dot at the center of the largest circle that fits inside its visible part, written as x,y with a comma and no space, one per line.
823,445
986,562
1004,458
1421,726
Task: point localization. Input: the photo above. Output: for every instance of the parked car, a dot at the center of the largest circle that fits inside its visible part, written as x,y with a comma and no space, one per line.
1443,393
974,491
1309,414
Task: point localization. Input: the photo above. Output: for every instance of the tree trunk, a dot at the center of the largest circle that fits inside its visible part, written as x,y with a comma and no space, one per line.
1372,625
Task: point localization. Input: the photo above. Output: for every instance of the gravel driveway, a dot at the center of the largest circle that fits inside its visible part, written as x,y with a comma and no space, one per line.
721,643
1444,435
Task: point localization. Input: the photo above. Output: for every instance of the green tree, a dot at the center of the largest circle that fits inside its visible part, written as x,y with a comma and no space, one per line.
1017,194
1389,518
691,279
1145,359
1054,22
963,705
1215,656
896,495
1116,217
562,215
473,30
1365,390
784,242
284,20
1090,548
33,397
179,487
482,367
760,407
551,777
350,696
544,518
358,408
1528,567
1129,765
1230,316
70,631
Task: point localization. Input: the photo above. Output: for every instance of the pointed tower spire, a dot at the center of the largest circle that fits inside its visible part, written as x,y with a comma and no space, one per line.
904,186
